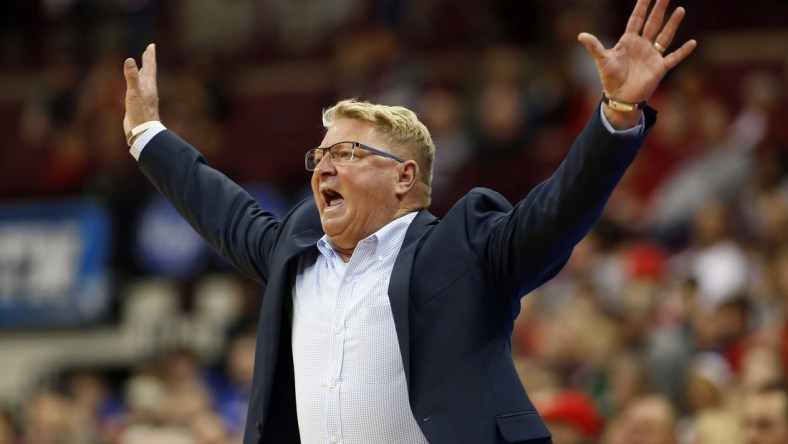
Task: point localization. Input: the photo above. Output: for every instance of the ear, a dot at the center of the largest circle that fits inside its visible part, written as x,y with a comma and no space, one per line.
408,176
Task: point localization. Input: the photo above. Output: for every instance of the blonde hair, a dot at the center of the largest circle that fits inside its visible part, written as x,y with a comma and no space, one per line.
398,126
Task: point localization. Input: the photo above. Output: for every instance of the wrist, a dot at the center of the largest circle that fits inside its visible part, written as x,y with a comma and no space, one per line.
622,115
619,120
135,132
621,106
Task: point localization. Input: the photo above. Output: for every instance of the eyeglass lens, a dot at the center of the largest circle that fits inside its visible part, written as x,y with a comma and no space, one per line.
339,153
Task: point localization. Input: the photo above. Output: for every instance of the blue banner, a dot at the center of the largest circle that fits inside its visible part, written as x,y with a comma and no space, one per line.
53,259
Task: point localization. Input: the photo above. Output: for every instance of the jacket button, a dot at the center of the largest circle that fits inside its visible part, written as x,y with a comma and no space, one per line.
259,428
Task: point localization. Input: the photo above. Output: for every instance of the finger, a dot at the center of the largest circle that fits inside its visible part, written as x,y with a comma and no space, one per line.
131,73
149,57
149,63
654,22
669,31
675,57
638,17
592,44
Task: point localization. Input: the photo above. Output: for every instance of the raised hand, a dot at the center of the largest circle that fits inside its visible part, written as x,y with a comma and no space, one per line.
631,70
142,95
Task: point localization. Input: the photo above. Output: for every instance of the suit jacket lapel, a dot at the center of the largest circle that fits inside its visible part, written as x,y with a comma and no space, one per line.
277,306
281,284
399,288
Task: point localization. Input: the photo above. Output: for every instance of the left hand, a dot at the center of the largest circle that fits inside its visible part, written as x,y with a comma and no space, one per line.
631,70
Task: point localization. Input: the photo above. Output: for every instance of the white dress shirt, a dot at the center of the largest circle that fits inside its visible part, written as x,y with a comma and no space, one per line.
350,382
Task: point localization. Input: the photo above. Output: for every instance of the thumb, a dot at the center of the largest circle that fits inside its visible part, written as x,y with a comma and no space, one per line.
592,44
131,73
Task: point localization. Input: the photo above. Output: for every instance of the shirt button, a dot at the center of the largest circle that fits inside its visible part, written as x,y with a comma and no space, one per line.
348,280
337,330
335,438
332,384
380,258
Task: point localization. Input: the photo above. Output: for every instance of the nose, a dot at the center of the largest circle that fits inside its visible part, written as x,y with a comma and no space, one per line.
325,166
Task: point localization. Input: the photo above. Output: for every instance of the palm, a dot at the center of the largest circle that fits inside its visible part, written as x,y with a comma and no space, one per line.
631,70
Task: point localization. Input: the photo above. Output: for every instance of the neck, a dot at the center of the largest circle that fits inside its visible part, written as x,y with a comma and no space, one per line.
344,253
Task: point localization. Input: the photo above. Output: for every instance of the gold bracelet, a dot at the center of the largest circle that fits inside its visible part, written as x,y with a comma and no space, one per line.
622,106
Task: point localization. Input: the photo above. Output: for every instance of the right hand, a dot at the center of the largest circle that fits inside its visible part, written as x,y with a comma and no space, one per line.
142,96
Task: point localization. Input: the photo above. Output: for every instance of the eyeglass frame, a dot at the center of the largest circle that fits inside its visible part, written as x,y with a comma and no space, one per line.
354,145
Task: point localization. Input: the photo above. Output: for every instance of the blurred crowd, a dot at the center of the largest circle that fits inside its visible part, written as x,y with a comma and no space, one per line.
172,399
669,324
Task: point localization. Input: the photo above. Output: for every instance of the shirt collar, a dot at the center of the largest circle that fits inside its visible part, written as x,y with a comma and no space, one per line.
391,234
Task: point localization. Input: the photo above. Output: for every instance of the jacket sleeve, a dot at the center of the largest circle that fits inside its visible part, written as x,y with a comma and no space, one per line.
225,215
528,244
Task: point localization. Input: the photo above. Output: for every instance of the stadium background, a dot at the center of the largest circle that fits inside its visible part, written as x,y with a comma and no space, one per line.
117,324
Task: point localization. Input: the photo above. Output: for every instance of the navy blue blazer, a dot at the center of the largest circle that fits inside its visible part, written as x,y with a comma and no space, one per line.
455,288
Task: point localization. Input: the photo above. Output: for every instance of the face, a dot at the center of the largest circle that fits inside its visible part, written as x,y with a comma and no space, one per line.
645,421
765,420
357,199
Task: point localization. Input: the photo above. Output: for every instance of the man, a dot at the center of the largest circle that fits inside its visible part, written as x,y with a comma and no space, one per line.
646,419
765,415
381,323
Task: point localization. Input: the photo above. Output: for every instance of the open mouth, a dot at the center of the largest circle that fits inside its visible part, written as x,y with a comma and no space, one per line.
332,199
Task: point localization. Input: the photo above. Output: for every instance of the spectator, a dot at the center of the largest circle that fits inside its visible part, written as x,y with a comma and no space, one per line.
648,419
572,417
7,428
765,415
716,427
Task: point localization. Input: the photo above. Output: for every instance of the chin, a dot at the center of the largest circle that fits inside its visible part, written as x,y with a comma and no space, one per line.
332,227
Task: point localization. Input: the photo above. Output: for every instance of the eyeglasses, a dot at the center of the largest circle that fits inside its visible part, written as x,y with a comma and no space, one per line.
342,153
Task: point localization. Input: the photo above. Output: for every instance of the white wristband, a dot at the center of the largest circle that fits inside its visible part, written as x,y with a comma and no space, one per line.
138,130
